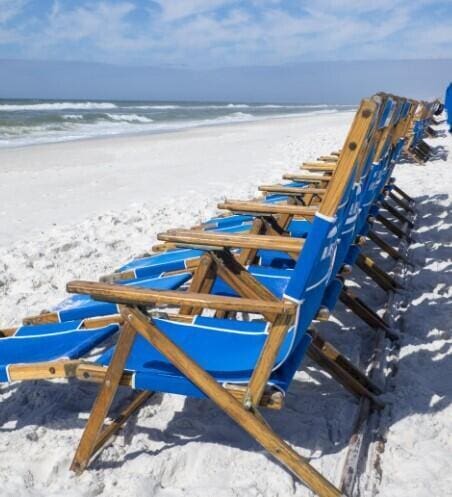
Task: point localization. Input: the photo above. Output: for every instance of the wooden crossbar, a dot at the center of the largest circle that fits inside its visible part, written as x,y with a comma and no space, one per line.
142,296
267,209
291,190
319,166
308,178
285,244
272,398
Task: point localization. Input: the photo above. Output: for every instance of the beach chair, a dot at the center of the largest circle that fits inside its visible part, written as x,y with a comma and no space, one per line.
235,363
448,106
416,148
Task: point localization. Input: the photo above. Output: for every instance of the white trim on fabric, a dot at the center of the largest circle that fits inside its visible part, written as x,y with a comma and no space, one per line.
329,219
315,285
351,219
8,377
293,299
59,333
289,349
225,330
348,231
274,276
333,232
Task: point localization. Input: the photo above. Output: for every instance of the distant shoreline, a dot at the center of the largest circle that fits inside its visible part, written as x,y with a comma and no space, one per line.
26,122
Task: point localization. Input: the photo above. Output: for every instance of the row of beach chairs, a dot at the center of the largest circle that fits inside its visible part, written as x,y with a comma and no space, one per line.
225,309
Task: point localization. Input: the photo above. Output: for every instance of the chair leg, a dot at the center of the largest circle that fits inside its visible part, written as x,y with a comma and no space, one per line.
110,430
392,227
405,205
397,214
381,277
251,423
93,428
329,351
386,247
403,194
349,376
364,312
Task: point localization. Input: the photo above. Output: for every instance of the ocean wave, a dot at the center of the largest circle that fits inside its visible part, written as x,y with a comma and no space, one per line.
237,106
292,106
192,107
236,116
129,118
73,116
157,107
112,124
58,106
220,106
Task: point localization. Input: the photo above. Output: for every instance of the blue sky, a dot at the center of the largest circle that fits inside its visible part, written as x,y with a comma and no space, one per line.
218,33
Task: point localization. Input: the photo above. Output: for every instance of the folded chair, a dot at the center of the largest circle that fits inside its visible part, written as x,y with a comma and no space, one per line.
448,106
416,147
233,362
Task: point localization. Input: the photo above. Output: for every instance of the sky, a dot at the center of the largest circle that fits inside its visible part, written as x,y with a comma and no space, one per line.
207,35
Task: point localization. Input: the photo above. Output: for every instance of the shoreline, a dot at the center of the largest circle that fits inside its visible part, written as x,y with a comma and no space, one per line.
144,133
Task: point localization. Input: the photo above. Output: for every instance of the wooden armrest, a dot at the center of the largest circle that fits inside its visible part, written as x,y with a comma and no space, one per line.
231,240
328,158
245,207
308,178
120,294
291,190
319,166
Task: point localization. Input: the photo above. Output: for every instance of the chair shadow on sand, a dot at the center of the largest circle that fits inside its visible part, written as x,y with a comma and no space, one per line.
420,385
438,153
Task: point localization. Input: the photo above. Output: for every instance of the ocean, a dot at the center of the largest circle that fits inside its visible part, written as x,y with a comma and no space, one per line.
26,122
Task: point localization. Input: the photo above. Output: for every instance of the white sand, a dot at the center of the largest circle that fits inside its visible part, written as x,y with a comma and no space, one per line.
77,210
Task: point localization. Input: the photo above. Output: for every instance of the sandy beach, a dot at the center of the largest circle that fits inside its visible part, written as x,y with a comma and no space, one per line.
64,183
79,209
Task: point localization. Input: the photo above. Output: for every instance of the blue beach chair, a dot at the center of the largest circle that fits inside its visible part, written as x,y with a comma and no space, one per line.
448,106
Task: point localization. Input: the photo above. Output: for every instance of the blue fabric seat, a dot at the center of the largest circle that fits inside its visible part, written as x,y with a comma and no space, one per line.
226,349
49,342
155,265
